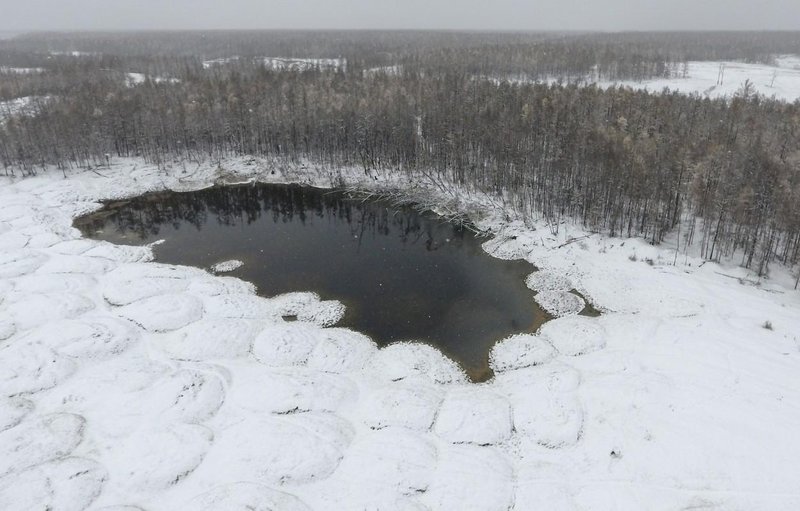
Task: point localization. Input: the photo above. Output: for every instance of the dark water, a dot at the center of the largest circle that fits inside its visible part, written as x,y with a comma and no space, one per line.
403,275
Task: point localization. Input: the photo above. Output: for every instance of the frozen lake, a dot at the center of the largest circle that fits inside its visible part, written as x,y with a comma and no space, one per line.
402,274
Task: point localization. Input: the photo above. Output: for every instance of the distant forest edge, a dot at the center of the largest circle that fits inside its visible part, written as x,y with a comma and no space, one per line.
625,162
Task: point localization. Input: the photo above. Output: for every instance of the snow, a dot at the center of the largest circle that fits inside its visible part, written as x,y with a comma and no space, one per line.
247,496
21,70
134,79
395,70
302,64
781,80
24,106
127,384
227,266
520,351
560,303
285,63
208,64
473,414
573,336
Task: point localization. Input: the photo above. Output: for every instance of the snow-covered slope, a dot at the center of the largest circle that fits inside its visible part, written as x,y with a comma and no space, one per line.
129,383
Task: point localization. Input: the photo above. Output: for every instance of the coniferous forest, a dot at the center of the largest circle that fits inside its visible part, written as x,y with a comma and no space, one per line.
507,114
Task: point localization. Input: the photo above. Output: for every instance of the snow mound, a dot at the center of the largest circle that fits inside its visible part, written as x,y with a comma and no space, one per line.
213,286
560,303
411,405
74,247
552,420
544,280
7,328
246,497
302,344
31,310
308,307
31,367
69,484
555,377
288,344
120,395
125,291
474,415
509,246
187,395
77,264
518,351
341,350
157,458
20,262
120,508
541,485
13,240
163,313
399,461
11,212
39,440
54,283
43,239
5,288
98,338
283,391
240,306
544,403
462,467
574,335
121,253
305,307
227,266
408,360
13,410
210,338
296,448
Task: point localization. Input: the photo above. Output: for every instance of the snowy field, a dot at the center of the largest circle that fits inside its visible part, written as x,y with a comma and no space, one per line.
285,63
126,384
21,70
134,79
781,81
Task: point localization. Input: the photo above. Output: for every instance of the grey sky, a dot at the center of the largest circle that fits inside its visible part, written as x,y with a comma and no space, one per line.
423,14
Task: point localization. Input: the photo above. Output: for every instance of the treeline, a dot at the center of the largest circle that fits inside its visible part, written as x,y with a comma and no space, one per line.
625,162
534,55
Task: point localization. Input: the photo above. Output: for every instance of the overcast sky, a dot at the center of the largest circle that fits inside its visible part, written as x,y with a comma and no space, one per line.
384,14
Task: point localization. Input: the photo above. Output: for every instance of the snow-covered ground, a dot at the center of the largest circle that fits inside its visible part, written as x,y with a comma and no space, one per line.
134,79
21,70
207,64
129,383
302,64
28,105
285,63
781,81
771,81
395,70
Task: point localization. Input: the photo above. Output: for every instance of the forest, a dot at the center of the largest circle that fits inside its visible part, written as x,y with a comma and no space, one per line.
620,161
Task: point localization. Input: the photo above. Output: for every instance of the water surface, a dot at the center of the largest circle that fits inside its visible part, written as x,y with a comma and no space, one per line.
403,275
